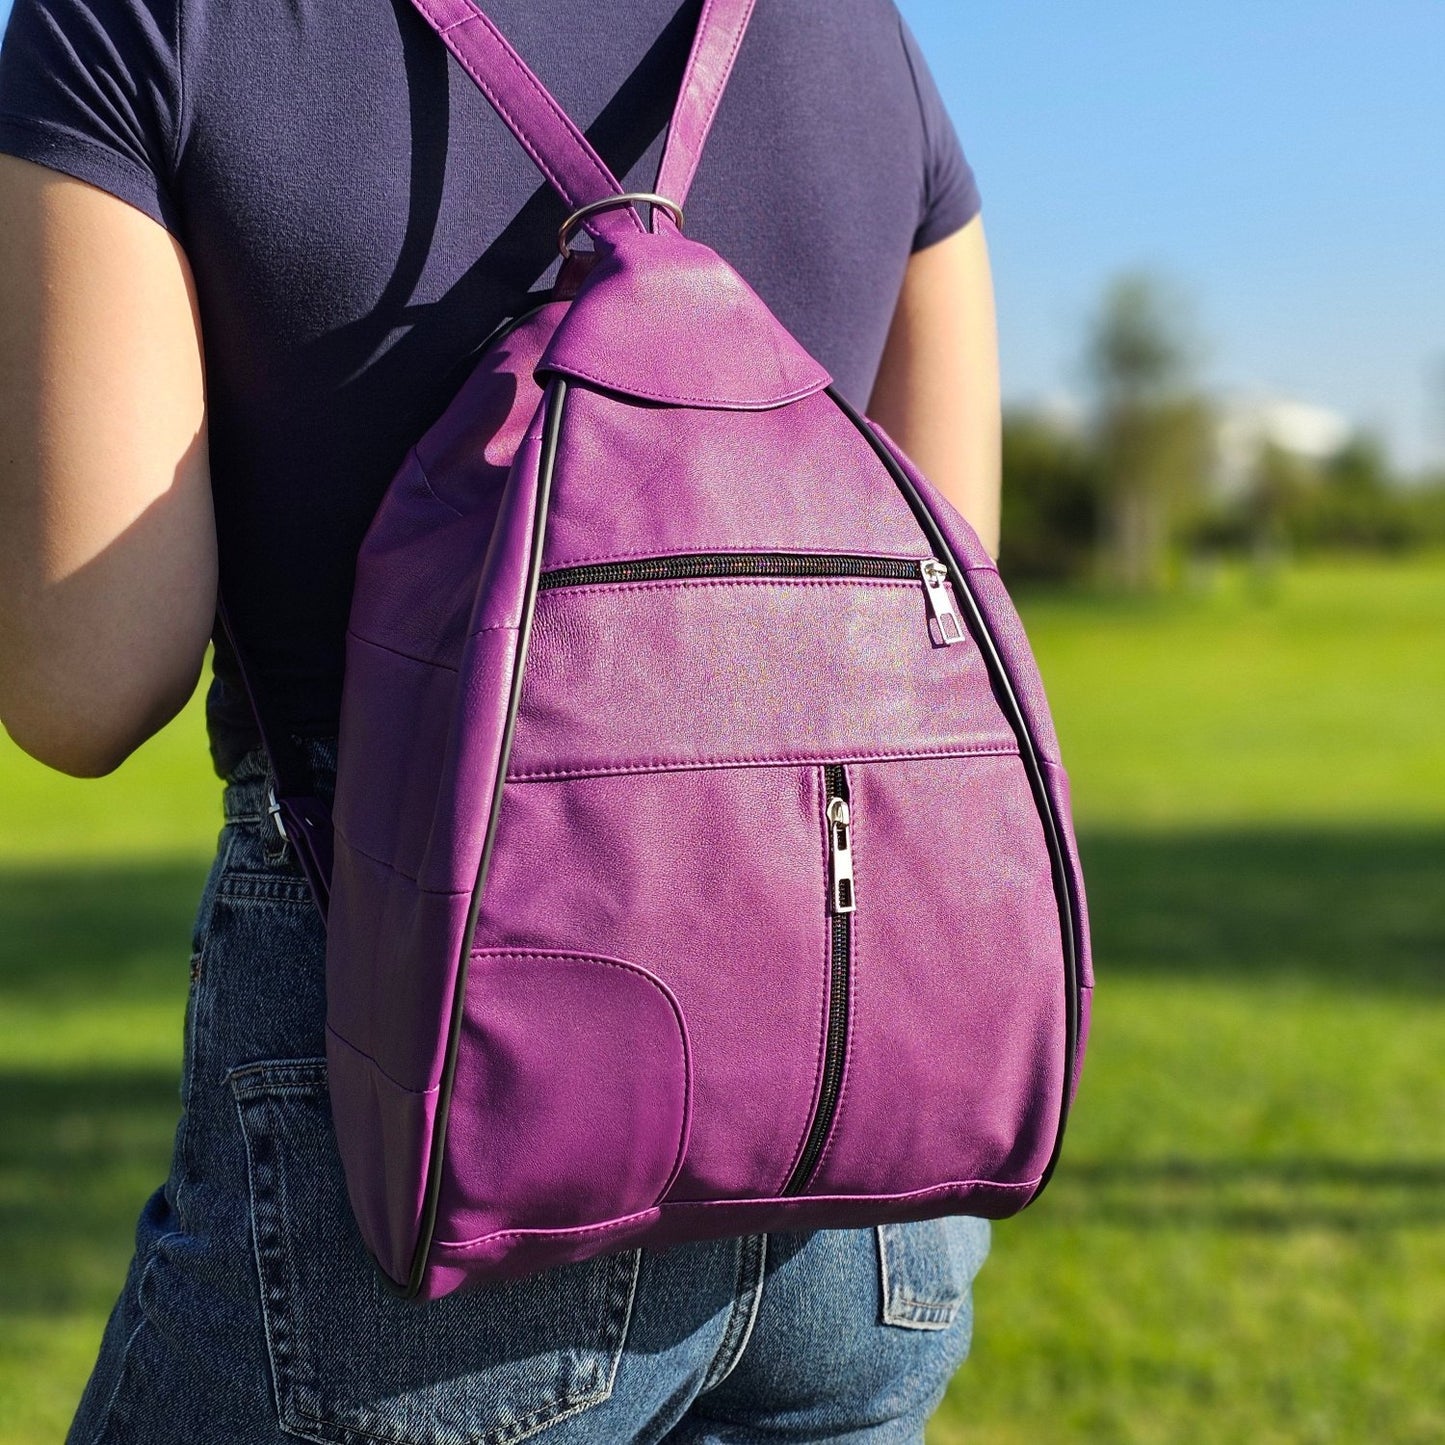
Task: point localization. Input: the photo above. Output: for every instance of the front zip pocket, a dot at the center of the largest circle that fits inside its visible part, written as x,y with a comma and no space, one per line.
928,571
842,903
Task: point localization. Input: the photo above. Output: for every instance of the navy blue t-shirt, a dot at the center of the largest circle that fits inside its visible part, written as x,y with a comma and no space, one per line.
358,220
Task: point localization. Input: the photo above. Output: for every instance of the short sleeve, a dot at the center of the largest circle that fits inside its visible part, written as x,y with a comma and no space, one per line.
93,88
950,191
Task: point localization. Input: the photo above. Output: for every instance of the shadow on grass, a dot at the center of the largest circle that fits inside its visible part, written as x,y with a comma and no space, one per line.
1357,910
80,1151
91,932
1364,910
1260,1196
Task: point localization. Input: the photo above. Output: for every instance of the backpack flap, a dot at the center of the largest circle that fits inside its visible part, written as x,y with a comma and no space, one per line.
647,320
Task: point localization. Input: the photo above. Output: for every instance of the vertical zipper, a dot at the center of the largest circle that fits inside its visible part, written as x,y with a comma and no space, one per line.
842,902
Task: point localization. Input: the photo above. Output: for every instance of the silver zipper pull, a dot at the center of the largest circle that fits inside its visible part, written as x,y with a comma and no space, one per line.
840,847
940,603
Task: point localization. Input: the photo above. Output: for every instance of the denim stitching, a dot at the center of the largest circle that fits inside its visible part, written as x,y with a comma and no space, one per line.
543,1416
264,888
274,1347
198,1011
106,1421
735,1337
259,1085
902,1309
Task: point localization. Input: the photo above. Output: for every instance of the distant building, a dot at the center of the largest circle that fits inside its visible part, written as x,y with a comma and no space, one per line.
1249,423
1244,424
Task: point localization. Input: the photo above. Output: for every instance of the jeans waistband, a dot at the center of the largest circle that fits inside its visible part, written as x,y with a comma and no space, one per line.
246,785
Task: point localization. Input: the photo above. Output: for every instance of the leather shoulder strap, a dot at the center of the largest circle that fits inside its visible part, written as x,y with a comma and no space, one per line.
720,31
301,817
546,132
561,152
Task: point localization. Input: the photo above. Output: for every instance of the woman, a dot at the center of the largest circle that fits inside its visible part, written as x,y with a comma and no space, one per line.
246,256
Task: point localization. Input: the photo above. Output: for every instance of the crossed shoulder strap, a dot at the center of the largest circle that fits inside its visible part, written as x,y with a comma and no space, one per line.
557,147
561,152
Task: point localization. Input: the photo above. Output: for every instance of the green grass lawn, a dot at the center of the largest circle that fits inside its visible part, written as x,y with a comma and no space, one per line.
1245,1241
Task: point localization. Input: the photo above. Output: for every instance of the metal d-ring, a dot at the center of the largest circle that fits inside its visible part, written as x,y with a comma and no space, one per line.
564,233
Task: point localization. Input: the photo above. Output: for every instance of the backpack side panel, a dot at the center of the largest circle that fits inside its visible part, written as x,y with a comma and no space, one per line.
431,653
1006,629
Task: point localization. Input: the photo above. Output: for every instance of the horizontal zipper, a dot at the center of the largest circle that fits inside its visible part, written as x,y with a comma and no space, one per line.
695,565
842,902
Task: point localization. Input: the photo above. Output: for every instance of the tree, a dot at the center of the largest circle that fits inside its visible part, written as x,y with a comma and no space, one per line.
1152,431
1050,501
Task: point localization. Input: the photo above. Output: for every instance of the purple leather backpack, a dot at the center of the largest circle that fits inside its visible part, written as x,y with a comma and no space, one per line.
703,862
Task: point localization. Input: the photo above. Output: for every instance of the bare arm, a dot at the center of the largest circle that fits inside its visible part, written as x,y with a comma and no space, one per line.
107,540
937,393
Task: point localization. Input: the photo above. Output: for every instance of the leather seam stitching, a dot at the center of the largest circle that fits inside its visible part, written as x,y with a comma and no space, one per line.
659,986
613,1225
397,652
567,368
381,1068
584,152
682,583
431,490
667,765
714,99
400,872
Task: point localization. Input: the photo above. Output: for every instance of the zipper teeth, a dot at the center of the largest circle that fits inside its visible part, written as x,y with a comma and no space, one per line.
835,786
733,564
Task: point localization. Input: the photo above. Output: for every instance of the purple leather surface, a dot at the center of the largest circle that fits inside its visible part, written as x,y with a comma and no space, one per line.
646,996
712,881
645,321
392,969
956,1037
377,1120
711,878
467,453
644,481
1008,633
571,1098
757,671
720,33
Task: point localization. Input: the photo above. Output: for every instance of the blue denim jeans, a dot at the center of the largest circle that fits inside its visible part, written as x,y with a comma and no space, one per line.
252,1314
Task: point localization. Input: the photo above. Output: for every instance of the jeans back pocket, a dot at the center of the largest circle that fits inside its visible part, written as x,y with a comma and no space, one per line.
352,1362
927,1268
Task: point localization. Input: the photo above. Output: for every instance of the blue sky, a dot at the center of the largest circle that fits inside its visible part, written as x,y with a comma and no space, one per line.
1282,160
